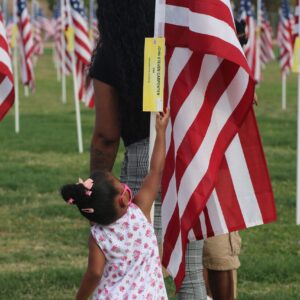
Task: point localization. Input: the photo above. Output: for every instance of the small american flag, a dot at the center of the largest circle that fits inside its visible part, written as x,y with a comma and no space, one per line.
215,178
59,49
37,29
246,13
7,94
83,52
296,20
26,41
285,37
266,53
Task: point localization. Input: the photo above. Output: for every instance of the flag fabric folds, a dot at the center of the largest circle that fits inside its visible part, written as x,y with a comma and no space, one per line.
60,48
266,53
83,52
7,94
215,178
37,26
246,13
26,43
285,37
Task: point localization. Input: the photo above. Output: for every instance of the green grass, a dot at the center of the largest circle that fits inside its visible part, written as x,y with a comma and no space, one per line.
43,243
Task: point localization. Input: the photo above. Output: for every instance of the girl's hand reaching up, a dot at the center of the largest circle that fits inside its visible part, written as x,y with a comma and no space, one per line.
162,120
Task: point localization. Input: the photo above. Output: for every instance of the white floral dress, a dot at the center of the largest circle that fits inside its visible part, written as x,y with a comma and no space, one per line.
133,268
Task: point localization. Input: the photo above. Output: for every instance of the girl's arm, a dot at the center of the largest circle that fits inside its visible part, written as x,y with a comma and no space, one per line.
94,271
151,185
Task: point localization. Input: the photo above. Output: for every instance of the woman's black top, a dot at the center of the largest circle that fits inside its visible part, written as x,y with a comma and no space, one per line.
113,65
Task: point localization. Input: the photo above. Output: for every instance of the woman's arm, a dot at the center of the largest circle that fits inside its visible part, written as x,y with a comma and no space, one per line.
106,135
151,184
94,271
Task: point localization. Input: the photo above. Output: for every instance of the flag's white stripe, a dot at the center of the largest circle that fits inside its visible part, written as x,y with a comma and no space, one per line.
203,225
177,62
216,215
5,59
191,235
242,183
169,205
6,87
175,258
221,113
202,23
84,39
191,106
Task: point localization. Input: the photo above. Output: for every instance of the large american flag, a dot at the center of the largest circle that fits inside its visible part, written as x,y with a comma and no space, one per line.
7,94
246,13
215,178
83,52
266,53
26,43
285,37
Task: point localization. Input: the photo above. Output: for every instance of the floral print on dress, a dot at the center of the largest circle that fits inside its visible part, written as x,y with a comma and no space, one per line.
133,268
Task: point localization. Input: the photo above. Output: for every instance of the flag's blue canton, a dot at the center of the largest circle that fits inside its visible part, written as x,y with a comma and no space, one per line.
77,5
56,11
22,4
285,9
246,6
264,11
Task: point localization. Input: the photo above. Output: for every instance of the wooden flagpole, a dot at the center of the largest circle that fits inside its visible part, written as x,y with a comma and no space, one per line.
75,84
298,135
159,31
63,54
258,42
15,66
283,100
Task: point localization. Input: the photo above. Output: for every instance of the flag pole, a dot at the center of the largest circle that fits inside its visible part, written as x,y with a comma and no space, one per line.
283,99
15,65
258,42
91,15
63,54
298,136
75,84
159,31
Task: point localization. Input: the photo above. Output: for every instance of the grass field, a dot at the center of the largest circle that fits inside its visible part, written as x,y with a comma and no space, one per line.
43,242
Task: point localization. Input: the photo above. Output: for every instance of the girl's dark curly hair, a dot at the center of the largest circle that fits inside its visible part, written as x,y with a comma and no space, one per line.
101,198
123,25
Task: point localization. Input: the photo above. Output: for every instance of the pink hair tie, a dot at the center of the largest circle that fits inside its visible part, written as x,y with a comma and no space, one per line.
88,184
71,201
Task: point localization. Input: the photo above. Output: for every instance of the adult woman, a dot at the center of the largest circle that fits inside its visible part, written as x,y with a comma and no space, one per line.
117,71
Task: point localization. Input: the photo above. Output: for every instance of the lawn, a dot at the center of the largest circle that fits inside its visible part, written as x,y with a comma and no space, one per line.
43,242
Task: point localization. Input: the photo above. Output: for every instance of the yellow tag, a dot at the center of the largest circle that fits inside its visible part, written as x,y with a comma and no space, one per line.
154,74
69,33
14,34
91,34
296,56
258,31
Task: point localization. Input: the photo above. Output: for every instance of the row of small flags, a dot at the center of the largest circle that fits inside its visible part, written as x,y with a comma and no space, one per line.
28,30
79,32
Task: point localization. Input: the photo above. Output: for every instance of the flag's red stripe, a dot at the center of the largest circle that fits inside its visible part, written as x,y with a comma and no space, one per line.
257,167
227,198
207,8
183,37
197,132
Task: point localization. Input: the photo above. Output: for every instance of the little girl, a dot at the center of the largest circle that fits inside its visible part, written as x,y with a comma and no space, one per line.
124,261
